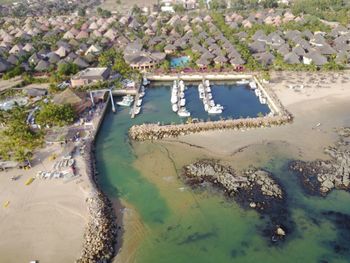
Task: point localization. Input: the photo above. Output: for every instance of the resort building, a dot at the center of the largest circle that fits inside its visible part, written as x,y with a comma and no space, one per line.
89,76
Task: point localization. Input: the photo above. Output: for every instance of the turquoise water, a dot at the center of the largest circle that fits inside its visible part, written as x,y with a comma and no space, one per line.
194,226
179,62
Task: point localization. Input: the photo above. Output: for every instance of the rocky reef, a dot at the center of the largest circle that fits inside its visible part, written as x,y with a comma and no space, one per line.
252,188
320,177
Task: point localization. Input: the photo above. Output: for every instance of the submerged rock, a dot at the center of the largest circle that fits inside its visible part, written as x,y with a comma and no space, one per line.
252,188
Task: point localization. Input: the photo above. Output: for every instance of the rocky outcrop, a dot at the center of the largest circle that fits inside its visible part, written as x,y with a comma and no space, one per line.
252,188
320,177
230,181
156,131
101,231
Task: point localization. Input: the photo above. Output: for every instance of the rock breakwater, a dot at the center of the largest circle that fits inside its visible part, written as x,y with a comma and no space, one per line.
320,177
251,188
101,231
156,131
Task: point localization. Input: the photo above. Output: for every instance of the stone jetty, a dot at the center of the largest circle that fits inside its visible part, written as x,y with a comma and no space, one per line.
319,176
156,131
101,231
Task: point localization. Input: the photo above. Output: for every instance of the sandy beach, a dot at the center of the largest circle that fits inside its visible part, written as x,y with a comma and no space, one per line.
44,220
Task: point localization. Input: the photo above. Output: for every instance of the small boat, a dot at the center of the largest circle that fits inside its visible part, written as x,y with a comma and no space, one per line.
210,96
142,94
252,85
206,107
70,162
145,82
173,99
208,89
137,110
201,95
183,112
257,92
174,107
242,82
139,102
214,110
262,100
127,101
182,102
207,83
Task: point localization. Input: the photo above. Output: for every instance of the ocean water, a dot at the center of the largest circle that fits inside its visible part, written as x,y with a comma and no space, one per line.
185,225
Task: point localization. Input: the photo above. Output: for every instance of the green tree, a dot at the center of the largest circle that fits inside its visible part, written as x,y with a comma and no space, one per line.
55,115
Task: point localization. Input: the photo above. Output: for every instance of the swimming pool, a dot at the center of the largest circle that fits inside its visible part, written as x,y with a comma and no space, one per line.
179,62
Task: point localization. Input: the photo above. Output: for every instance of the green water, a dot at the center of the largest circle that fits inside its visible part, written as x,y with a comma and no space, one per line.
190,226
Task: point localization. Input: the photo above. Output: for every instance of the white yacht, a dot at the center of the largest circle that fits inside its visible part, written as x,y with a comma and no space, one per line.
182,94
207,83
182,102
139,102
242,82
173,99
262,100
214,110
127,101
137,110
257,92
252,85
183,112
145,82
174,107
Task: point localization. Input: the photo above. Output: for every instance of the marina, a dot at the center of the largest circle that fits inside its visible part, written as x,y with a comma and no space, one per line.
199,100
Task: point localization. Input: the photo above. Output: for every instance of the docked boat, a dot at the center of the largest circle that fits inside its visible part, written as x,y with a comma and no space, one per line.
139,102
137,110
145,82
214,110
173,99
175,108
182,102
208,89
262,100
183,113
257,92
207,82
182,94
127,101
181,85
252,85
242,82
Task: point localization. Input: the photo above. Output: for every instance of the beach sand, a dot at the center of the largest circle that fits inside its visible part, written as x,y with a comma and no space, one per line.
44,220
